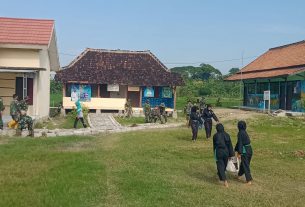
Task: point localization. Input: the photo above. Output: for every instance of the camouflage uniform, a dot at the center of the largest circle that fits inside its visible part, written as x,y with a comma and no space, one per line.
128,109
1,110
188,111
201,105
147,112
162,113
14,110
25,121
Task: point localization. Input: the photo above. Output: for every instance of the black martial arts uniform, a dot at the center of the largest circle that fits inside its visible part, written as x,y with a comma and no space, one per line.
207,116
243,147
223,149
194,122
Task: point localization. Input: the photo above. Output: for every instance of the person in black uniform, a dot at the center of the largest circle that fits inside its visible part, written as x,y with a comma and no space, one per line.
207,116
194,122
244,151
223,149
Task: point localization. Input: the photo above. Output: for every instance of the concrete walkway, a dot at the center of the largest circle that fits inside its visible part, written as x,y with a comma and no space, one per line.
103,122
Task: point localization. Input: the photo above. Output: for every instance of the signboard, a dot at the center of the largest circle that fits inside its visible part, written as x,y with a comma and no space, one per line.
133,88
149,92
267,95
113,87
167,92
81,92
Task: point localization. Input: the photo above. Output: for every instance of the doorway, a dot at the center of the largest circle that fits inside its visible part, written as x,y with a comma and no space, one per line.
134,97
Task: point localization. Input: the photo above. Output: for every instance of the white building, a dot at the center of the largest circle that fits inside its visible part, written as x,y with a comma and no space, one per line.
28,53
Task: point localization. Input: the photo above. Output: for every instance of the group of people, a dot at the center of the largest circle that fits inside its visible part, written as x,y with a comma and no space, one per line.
223,152
18,112
199,114
157,113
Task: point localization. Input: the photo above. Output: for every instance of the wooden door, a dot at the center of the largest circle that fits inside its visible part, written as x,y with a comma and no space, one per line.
134,97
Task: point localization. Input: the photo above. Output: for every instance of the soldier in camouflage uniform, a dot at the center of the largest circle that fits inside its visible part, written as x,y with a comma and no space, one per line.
14,108
147,111
128,109
202,105
1,110
163,115
188,108
25,121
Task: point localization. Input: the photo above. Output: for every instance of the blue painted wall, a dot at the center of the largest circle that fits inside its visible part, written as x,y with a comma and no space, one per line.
156,101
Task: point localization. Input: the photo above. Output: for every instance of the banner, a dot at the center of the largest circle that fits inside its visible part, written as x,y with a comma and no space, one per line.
113,87
149,92
133,88
81,92
167,92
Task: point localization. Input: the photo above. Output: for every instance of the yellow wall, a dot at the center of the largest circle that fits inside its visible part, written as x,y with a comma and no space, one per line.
19,57
98,103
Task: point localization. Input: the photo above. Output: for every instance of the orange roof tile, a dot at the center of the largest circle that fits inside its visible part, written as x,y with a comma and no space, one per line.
279,61
25,31
279,57
265,74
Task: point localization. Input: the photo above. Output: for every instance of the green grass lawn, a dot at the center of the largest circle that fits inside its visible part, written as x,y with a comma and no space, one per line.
152,168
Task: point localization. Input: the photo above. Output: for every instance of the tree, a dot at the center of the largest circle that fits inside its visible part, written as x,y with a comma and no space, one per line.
233,71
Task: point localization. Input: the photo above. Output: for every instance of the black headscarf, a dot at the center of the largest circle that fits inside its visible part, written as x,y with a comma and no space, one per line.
242,125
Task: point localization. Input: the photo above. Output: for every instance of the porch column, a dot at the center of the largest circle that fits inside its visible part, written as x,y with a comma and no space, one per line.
140,97
175,97
98,90
64,90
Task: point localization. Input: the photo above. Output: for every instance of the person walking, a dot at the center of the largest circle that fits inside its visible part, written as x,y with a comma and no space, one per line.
207,116
80,115
223,149
244,151
194,122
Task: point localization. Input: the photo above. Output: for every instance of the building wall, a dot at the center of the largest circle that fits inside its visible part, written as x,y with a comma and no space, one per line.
284,95
121,94
158,99
42,87
19,57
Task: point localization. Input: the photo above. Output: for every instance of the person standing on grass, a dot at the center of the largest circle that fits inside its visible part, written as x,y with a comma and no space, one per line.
188,109
194,122
1,110
223,149
244,151
79,116
207,116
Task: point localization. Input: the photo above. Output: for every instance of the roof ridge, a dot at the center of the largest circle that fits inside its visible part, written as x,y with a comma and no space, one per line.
19,18
118,50
287,45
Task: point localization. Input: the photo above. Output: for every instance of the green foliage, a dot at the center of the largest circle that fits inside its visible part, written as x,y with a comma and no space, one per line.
203,72
55,87
233,71
206,80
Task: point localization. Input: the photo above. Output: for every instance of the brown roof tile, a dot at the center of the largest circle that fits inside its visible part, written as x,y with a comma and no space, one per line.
123,67
25,31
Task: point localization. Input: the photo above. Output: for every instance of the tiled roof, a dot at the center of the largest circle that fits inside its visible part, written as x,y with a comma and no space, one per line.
25,31
279,61
139,68
266,74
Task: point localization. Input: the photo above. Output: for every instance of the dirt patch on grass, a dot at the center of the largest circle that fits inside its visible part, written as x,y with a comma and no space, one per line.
299,153
234,114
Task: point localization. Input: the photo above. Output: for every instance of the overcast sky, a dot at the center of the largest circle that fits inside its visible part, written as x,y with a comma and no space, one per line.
178,32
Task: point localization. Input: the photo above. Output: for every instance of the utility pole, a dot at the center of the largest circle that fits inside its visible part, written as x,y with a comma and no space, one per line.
241,77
